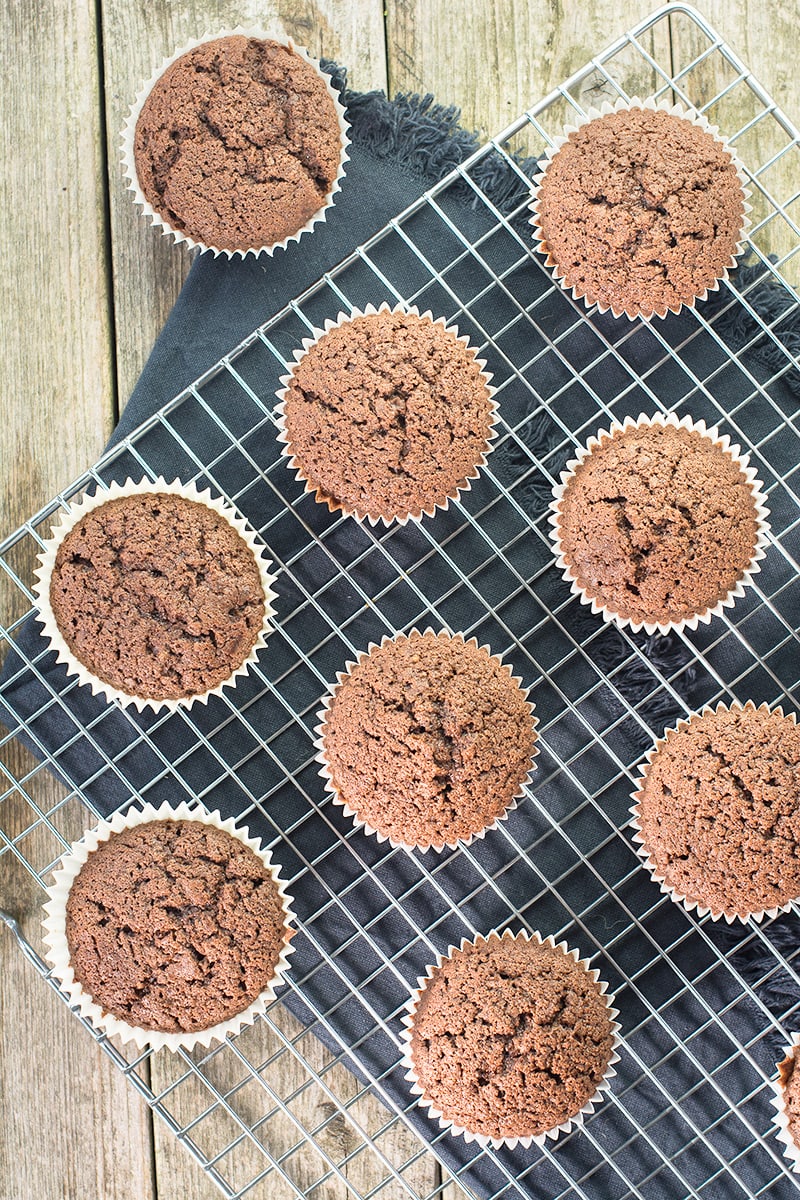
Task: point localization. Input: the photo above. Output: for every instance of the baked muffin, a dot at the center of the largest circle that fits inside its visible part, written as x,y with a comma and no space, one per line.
167,925
787,1102
386,415
717,811
640,210
238,143
154,593
658,522
510,1038
427,740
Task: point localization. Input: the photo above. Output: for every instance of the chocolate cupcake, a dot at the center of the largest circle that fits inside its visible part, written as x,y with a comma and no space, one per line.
717,812
641,209
387,414
427,740
787,1102
659,523
510,1040
168,927
154,594
237,144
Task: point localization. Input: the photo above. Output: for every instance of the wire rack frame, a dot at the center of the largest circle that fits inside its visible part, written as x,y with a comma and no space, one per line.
689,1112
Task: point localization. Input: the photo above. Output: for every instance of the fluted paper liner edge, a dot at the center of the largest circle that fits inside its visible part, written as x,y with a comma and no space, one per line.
57,952
622,105
791,1150
334,505
483,1140
335,794
79,508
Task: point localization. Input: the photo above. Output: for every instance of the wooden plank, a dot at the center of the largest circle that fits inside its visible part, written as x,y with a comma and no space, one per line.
91,1132
760,35
508,53
148,268
84,1130
72,1125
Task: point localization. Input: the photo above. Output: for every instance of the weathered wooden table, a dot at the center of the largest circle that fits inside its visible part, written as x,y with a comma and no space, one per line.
88,285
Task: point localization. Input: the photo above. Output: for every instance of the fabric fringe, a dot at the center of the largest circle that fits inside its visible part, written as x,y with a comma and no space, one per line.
428,138
755,962
774,305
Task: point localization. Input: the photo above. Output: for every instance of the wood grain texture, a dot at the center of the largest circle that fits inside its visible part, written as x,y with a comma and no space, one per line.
55,373
62,361
148,268
507,55
57,405
760,35
148,271
72,1125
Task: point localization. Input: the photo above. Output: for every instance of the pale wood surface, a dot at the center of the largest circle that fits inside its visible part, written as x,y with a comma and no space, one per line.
88,285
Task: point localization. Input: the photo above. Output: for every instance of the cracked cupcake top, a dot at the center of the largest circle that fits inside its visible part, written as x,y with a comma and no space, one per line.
789,1080
387,415
238,143
657,524
428,739
719,810
510,1038
157,595
174,926
640,210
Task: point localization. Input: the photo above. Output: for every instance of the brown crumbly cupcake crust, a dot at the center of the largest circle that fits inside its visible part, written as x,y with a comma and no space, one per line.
658,524
789,1078
388,415
428,739
157,595
174,926
720,810
641,211
238,143
511,1038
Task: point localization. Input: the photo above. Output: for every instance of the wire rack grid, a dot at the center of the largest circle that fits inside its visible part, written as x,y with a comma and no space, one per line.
689,1113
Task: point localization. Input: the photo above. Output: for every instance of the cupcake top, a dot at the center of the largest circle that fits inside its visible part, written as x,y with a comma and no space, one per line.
789,1085
387,415
719,810
428,739
157,595
640,210
510,1038
238,143
657,524
174,926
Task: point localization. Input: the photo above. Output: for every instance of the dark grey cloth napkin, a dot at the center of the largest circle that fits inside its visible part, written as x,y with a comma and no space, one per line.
399,149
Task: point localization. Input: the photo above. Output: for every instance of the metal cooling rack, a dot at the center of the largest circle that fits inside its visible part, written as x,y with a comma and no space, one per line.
689,1114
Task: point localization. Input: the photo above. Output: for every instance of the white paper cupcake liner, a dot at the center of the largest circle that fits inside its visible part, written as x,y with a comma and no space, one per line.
688,903
511,1143
359,822
621,105
733,452
791,1150
129,162
78,509
335,505
57,953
